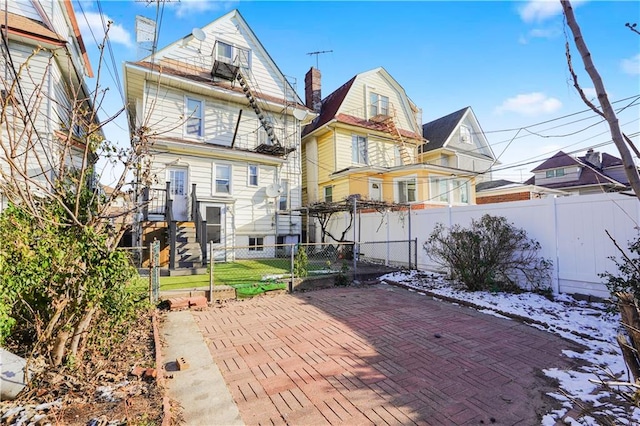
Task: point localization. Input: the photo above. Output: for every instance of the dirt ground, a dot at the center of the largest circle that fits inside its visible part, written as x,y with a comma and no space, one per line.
100,392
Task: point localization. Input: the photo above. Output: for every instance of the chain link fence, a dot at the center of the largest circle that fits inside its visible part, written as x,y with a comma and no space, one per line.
256,264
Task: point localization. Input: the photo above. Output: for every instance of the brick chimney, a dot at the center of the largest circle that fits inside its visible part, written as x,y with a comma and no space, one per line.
312,92
593,157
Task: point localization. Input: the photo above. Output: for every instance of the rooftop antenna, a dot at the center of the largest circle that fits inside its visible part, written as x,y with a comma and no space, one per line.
317,53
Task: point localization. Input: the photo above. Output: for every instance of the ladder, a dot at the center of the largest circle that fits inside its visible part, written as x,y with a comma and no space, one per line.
268,127
390,127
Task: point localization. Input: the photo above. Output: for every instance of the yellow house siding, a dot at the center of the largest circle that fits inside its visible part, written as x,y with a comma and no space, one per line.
326,159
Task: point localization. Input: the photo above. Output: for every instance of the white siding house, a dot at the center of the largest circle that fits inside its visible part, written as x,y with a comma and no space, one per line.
225,125
42,71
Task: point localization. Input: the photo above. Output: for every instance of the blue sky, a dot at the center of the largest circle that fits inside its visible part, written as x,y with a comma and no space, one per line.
504,59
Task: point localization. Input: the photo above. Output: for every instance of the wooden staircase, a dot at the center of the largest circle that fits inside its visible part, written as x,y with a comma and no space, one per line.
188,251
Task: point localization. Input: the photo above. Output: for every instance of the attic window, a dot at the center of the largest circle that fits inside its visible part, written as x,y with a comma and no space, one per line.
555,173
379,105
465,134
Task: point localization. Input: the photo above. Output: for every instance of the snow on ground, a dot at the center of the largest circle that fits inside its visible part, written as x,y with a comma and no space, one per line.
586,323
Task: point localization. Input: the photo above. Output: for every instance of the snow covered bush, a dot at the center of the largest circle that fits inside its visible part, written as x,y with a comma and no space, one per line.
492,254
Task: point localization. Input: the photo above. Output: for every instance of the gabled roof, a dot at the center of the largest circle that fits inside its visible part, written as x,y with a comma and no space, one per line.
28,27
330,106
589,174
560,159
438,131
332,103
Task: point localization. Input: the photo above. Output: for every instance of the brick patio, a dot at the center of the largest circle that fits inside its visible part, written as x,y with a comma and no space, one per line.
378,355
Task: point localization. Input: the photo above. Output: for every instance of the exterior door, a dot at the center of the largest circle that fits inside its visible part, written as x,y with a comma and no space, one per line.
375,189
178,188
214,215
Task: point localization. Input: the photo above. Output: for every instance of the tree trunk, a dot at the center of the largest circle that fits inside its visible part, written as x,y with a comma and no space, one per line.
59,347
607,110
80,330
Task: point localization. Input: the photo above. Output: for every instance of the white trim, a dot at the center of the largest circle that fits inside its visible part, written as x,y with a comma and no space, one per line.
214,178
249,184
187,116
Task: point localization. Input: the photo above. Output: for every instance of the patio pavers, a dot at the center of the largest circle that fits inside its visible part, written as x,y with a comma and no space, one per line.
379,355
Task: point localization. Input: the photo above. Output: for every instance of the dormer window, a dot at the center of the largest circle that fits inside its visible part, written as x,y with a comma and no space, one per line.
379,105
555,173
465,134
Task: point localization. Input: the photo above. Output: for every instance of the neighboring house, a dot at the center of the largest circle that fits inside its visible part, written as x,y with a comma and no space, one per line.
36,117
590,174
364,142
225,126
457,140
502,191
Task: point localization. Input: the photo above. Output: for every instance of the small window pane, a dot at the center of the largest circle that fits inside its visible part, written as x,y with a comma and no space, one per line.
253,175
328,194
223,179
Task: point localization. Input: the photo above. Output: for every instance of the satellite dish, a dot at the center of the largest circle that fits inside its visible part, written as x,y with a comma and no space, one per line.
273,190
299,114
198,34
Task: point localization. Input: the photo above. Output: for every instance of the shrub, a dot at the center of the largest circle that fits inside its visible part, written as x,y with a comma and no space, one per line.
301,263
491,254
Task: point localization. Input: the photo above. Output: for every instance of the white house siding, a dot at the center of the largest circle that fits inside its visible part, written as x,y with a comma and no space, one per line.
262,77
23,8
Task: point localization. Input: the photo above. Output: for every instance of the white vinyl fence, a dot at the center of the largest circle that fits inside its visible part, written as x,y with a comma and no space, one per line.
571,231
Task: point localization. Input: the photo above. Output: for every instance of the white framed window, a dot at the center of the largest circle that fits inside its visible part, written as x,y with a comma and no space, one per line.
230,54
359,149
256,243
263,138
447,190
378,104
465,134
194,112
283,202
406,190
328,194
555,173
222,184
252,175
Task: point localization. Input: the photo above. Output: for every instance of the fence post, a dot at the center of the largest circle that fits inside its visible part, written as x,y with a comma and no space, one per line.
415,254
353,250
154,271
211,263
292,274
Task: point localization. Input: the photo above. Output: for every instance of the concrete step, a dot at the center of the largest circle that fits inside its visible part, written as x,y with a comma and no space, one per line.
191,270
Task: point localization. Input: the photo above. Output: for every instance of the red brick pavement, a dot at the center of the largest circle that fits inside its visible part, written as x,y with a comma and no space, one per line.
371,356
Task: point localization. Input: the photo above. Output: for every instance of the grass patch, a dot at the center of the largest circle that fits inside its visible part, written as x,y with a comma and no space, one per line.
231,273
250,290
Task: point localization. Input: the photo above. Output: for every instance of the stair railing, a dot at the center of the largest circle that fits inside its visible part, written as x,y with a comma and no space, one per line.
200,223
172,226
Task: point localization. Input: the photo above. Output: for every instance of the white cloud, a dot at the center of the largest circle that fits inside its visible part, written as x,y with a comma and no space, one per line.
186,8
631,65
91,21
530,104
547,33
541,10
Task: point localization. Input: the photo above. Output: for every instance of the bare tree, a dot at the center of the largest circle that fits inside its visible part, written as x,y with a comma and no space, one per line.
607,112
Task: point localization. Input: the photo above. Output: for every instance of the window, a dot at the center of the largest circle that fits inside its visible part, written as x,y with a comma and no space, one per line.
230,54
375,190
465,134
223,179
462,191
194,117
555,173
379,105
449,190
328,194
256,243
284,197
406,190
360,153
253,175
263,138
